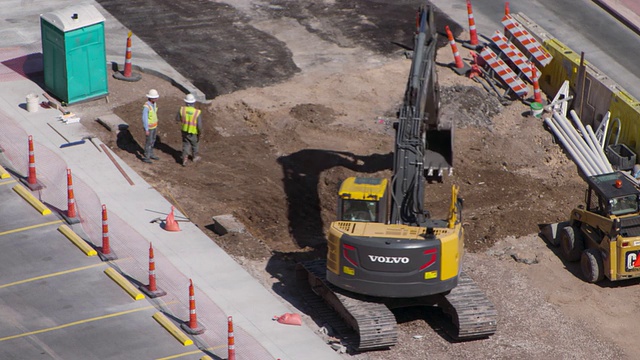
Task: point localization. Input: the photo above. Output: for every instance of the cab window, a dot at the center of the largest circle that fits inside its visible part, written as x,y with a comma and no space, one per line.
624,205
359,210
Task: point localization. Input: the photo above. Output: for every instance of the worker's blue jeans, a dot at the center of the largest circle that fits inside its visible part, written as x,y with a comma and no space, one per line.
149,142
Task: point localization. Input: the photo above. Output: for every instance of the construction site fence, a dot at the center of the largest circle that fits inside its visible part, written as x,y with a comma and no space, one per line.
131,248
594,92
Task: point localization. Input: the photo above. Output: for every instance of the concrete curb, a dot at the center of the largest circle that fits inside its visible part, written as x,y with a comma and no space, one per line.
618,10
188,88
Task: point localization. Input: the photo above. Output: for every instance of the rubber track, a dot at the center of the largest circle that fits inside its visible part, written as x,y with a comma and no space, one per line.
473,313
374,322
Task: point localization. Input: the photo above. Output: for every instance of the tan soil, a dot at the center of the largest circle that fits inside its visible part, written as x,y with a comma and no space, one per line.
274,156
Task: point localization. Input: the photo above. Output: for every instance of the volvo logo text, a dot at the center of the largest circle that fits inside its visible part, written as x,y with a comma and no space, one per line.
389,259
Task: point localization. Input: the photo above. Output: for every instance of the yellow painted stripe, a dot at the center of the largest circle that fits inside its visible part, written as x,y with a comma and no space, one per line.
3,173
51,275
205,357
172,329
22,191
76,323
77,240
7,182
124,284
30,227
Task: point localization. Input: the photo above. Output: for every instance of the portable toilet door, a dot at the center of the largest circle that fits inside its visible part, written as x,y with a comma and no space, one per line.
74,54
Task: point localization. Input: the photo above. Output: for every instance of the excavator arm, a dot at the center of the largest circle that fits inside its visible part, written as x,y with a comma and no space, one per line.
423,146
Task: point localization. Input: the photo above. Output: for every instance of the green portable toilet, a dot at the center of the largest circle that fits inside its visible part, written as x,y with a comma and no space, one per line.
73,53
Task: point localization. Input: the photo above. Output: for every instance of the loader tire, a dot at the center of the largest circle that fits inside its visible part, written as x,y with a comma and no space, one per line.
571,244
592,265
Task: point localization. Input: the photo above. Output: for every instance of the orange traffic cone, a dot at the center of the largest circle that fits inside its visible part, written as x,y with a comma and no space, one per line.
473,33
289,319
152,289
105,250
231,343
71,215
537,94
192,327
31,181
507,13
127,74
459,66
170,224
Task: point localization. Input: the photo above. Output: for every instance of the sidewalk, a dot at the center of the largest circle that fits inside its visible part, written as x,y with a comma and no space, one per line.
190,251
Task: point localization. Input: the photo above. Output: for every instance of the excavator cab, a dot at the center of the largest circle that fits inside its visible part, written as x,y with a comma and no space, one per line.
363,200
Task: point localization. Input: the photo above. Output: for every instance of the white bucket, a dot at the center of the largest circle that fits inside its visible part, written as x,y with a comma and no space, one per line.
32,103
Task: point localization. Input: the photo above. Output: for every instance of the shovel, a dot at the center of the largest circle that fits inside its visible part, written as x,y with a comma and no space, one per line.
90,138
79,142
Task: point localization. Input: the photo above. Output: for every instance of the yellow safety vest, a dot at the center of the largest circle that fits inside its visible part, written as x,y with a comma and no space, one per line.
152,119
189,118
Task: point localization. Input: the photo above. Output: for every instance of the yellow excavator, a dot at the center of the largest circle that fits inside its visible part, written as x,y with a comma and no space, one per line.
385,251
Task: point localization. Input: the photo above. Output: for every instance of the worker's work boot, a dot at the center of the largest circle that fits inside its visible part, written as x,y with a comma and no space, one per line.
153,157
184,161
196,159
146,160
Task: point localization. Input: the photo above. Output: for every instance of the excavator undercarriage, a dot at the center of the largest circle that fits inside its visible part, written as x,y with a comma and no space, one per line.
373,322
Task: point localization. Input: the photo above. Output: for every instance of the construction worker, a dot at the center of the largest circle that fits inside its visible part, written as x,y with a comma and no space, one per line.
191,120
150,124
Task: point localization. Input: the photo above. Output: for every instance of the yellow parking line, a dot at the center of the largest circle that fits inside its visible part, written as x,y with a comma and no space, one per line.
51,275
3,173
76,323
7,182
191,352
30,227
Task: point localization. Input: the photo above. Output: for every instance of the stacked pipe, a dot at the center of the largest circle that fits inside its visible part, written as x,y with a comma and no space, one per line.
585,152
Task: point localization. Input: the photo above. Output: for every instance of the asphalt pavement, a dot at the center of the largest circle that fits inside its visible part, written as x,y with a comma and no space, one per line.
222,287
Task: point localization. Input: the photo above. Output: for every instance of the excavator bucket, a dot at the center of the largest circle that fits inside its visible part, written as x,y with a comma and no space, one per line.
438,157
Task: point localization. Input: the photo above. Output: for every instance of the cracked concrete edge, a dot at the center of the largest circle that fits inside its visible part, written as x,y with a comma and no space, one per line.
625,15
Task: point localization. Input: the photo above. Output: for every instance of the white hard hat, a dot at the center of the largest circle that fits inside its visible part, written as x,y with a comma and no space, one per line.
190,99
153,94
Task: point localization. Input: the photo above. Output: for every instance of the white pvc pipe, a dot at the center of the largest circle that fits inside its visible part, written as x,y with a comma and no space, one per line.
570,148
587,151
606,128
579,153
591,146
598,149
573,135
578,123
577,158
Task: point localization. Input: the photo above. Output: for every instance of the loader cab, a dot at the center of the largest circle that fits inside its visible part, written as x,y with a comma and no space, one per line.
612,194
363,200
